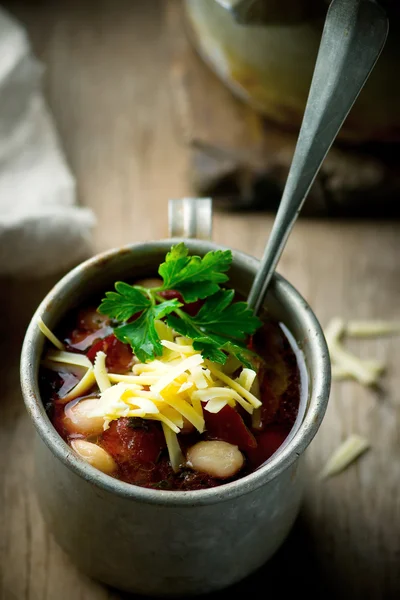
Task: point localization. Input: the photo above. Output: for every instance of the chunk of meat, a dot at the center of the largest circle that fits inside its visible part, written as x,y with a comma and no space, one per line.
82,340
132,445
227,425
90,320
87,324
136,450
119,355
268,443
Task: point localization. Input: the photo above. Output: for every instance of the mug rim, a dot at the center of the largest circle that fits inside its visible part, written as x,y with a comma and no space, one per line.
287,295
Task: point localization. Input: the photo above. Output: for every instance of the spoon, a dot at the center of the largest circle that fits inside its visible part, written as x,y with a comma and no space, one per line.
354,35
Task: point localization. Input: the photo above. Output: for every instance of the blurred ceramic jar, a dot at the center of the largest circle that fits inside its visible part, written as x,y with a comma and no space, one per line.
265,50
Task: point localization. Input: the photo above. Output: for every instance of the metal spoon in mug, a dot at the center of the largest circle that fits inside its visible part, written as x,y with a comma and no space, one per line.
354,35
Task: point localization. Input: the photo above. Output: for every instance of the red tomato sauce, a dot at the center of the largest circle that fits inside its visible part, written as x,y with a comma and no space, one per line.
138,446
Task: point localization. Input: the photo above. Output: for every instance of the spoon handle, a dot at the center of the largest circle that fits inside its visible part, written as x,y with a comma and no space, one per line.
354,34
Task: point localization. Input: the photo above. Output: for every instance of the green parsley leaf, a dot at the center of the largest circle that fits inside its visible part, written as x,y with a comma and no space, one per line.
220,327
220,316
194,277
142,335
210,350
165,308
211,346
248,358
125,302
197,290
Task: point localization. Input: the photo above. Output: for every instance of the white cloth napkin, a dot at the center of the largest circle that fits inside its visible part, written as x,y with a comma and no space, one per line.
41,228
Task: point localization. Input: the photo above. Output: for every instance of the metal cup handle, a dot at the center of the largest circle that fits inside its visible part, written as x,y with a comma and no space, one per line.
190,218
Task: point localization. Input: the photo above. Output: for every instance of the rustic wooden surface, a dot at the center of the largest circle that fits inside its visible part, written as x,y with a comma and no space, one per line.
108,84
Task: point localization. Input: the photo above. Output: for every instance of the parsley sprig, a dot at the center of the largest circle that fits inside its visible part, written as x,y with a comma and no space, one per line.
221,326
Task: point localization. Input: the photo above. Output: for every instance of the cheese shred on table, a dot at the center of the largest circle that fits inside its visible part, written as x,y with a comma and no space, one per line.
349,451
345,364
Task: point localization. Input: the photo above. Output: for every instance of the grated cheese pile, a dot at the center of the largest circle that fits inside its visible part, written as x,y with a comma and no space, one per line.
173,389
346,365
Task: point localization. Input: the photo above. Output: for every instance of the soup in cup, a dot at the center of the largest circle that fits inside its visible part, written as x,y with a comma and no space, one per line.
204,523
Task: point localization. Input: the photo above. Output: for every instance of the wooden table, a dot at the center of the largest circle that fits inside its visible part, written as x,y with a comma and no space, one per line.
108,85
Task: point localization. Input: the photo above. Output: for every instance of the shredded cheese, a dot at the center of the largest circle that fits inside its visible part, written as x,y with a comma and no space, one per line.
173,389
172,374
83,387
155,366
165,420
173,415
359,369
348,452
50,335
215,404
139,380
199,378
124,400
197,406
344,363
164,332
55,358
232,364
256,416
246,378
183,341
185,409
372,328
100,371
175,453
223,393
179,348
340,372
184,387
234,385
68,358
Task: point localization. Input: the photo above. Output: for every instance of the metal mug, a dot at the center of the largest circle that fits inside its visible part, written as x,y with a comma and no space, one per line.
167,543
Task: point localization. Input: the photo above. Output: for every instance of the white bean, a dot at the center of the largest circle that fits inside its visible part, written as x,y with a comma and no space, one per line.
78,420
94,455
216,458
150,282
